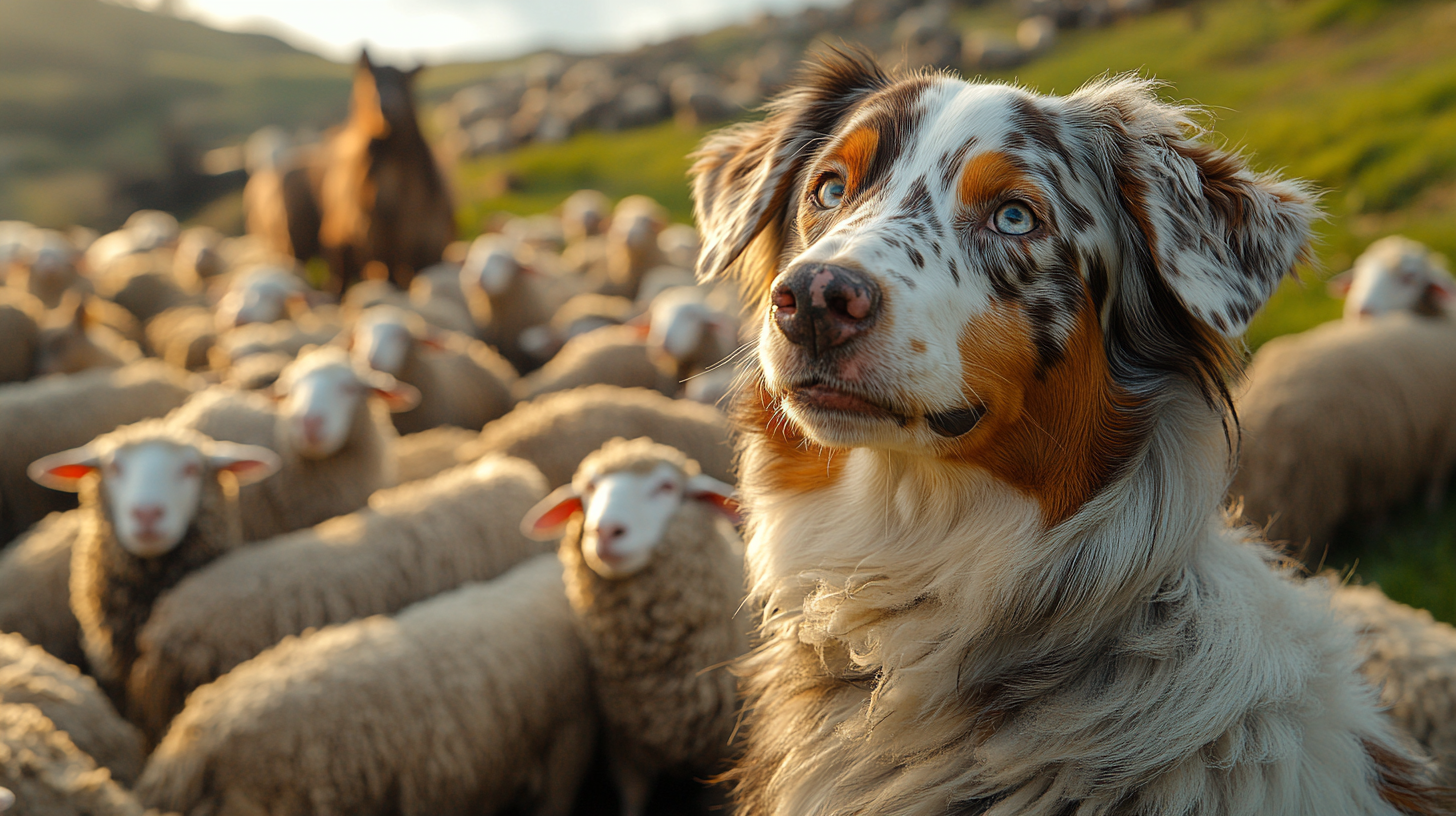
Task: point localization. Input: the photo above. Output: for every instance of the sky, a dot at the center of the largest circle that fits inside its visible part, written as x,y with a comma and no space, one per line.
442,30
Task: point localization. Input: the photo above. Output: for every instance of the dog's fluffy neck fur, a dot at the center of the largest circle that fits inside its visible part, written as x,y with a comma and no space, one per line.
1138,657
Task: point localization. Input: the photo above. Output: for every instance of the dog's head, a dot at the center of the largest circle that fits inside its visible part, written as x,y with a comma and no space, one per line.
981,274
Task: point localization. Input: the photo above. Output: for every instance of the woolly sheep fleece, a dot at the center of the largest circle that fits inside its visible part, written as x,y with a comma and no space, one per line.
49,775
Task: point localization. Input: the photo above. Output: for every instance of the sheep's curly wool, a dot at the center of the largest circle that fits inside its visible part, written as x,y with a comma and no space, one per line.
660,641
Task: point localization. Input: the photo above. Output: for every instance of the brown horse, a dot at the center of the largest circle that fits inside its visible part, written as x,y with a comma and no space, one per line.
386,210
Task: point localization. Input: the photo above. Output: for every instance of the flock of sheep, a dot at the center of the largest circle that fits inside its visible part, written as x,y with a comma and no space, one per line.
310,569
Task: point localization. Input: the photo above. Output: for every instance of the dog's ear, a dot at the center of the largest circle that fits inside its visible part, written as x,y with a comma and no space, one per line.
1219,235
744,176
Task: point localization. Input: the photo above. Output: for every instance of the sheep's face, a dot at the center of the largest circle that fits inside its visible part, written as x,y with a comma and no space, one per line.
626,513
154,489
680,328
152,486
320,409
490,266
260,298
382,342
1394,275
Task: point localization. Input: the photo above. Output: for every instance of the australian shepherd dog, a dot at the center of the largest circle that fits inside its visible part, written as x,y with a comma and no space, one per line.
987,438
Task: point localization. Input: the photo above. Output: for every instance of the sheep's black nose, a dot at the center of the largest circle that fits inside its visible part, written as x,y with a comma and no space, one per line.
818,306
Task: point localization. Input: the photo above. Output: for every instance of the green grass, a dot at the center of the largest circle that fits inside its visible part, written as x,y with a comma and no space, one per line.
1358,96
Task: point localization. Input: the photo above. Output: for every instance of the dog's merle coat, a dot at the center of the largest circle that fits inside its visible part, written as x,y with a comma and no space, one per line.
983,520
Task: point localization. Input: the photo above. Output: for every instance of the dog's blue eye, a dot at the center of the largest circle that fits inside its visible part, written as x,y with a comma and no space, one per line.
830,192
1015,218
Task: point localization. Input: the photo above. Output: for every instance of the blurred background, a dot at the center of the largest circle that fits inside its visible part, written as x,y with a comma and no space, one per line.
107,108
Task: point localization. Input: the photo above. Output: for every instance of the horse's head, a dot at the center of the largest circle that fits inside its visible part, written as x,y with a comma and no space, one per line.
384,96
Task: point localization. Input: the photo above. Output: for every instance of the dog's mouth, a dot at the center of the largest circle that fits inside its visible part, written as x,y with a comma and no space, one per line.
835,401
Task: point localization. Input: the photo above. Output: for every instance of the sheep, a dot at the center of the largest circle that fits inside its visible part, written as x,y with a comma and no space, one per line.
686,335
577,316
477,700
336,444
1395,274
142,284
256,372
263,294
20,314
1411,658
680,245
198,258
422,455
506,296
412,542
49,775
46,416
161,503
558,430
287,337
183,336
613,355
632,247
73,702
461,381
655,576
46,267
584,214
1344,422
70,341
435,294
35,587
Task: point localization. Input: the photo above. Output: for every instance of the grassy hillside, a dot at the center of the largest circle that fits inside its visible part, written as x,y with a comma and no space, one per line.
90,90
1359,96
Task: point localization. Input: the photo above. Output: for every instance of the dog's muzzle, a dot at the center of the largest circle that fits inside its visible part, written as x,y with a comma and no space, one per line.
819,307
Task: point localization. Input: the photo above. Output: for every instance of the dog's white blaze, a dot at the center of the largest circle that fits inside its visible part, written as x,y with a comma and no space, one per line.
154,488
626,516
320,408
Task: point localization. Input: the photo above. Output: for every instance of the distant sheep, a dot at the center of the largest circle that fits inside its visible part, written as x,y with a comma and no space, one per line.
422,455
46,267
462,381
477,701
687,335
263,294
71,341
1344,422
584,213
20,314
73,702
47,416
558,430
506,296
412,542
1395,274
632,244
654,573
612,355
336,442
155,508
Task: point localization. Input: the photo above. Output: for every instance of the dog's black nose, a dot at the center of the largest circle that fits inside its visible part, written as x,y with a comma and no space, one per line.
818,306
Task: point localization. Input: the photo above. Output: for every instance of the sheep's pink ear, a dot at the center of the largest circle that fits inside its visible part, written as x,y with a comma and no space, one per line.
1441,290
1338,287
398,396
546,520
249,463
64,470
721,496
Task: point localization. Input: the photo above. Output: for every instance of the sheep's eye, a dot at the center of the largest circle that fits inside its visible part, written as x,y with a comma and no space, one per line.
666,487
1014,218
830,192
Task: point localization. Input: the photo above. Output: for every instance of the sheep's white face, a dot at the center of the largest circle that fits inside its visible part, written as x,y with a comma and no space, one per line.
680,245
320,407
1393,275
680,320
382,342
154,489
490,266
258,298
626,515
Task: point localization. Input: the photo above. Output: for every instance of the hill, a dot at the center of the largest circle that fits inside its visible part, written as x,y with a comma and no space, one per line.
93,92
